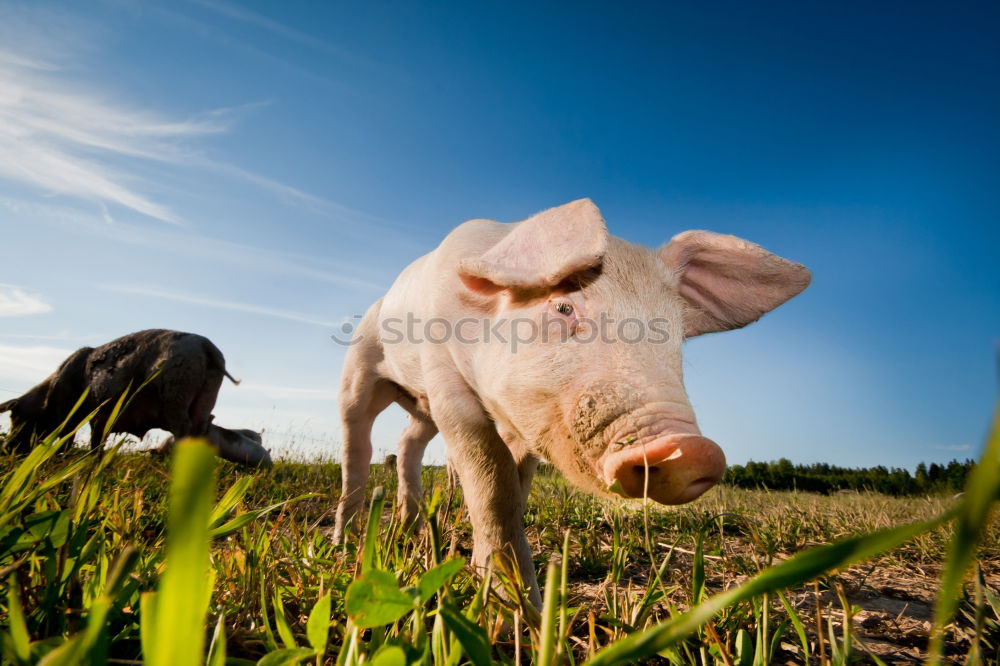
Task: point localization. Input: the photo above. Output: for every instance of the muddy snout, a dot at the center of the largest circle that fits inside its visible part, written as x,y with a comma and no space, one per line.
670,470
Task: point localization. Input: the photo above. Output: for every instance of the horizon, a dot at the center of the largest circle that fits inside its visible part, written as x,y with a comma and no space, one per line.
260,175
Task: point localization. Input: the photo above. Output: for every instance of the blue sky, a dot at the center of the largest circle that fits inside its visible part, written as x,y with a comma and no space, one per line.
258,173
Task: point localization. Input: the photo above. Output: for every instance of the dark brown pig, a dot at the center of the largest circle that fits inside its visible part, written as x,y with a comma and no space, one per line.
179,399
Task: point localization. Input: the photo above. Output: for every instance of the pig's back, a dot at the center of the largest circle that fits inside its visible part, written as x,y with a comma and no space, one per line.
427,289
405,302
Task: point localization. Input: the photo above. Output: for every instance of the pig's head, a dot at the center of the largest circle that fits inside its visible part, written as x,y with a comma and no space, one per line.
15,439
587,371
27,418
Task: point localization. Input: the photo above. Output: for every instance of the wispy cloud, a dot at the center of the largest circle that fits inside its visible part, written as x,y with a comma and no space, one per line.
65,135
16,302
288,194
249,17
152,292
952,447
239,13
20,60
62,336
186,242
65,140
27,365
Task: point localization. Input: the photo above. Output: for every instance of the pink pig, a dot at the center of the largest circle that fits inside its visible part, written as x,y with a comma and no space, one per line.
549,338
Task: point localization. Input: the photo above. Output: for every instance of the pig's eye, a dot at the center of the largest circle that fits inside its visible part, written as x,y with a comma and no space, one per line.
565,309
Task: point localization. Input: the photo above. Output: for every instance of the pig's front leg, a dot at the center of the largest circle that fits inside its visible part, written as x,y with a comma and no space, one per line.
525,460
489,477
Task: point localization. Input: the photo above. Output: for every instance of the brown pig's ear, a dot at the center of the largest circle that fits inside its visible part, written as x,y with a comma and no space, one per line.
541,251
8,406
729,282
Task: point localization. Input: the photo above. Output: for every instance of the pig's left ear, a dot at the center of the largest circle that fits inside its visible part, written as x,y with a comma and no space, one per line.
729,282
541,251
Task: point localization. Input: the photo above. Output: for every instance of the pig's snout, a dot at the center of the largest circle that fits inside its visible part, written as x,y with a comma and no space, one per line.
679,468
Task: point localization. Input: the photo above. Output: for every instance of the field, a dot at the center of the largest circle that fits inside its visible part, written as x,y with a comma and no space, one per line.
86,539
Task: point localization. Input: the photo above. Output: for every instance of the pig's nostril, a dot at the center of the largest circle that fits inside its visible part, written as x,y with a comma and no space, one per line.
641,469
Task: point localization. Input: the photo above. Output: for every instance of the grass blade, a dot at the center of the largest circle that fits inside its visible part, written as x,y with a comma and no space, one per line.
470,635
229,500
698,572
285,657
217,648
800,628
550,607
981,491
371,532
147,628
72,652
242,520
19,640
182,599
281,621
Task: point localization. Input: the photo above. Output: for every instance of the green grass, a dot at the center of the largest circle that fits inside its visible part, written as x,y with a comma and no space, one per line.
125,558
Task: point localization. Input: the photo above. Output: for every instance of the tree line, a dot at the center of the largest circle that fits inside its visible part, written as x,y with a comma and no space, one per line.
825,478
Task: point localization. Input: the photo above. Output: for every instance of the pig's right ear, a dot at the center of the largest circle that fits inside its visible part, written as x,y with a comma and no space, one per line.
542,251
